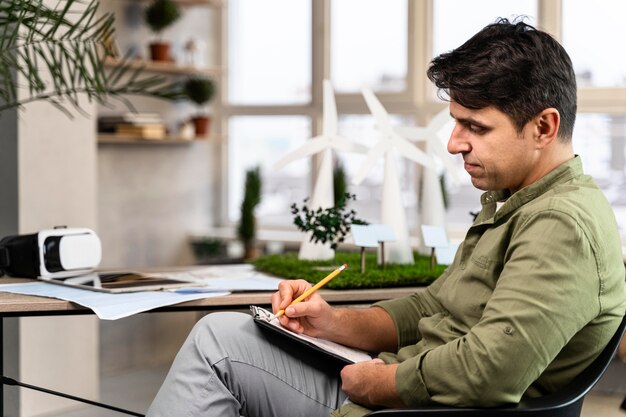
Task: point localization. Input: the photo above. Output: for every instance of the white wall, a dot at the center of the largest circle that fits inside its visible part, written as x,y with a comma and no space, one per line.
50,173
150,197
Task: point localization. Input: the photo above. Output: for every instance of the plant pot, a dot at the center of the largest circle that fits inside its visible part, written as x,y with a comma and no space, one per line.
160,51
251,251
210,251
201,125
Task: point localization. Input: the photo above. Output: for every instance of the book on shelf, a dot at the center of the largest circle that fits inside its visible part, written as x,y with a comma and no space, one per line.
142,131
108,123
131,117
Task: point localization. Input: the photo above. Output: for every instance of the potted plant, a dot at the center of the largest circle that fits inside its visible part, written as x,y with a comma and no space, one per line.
209,250
159,15
200,90
247,222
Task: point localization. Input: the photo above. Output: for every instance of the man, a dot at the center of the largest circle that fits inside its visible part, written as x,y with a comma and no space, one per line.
534,294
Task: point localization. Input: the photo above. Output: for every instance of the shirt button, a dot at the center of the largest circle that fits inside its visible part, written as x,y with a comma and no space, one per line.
508,330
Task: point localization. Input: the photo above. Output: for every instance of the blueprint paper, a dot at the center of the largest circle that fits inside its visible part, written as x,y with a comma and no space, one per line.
238,277
108,306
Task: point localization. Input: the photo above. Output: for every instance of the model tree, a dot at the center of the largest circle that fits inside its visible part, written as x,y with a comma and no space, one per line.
340,185
329,225
247,222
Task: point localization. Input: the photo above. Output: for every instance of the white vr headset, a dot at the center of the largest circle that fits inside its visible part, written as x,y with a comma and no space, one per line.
52,253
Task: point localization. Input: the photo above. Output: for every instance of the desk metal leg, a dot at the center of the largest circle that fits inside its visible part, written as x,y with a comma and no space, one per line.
1,365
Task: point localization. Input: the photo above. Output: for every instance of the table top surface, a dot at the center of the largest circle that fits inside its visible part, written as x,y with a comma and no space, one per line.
23,305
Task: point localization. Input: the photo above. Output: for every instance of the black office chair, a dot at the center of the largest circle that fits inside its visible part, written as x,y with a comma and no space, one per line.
565,403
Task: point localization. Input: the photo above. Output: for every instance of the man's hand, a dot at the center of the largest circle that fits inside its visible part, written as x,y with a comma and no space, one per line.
372,384
311,316
369,329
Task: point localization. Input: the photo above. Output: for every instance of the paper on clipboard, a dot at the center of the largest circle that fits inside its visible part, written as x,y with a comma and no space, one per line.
346,354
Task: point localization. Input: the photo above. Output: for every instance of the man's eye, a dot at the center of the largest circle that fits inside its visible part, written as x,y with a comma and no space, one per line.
476,129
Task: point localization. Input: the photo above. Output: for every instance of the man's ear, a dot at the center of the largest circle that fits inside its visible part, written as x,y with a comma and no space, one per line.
546,126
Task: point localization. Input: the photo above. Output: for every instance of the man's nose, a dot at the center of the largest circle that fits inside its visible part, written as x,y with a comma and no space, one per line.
457,142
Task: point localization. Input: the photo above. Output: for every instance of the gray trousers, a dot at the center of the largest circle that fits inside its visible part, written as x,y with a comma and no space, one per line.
229,367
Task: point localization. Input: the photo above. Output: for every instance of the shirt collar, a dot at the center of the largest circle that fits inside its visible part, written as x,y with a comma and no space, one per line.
563,173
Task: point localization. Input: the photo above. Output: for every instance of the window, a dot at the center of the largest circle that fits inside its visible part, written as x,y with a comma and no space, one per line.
369,45
269,109
261,141
270,52
595,51
455,21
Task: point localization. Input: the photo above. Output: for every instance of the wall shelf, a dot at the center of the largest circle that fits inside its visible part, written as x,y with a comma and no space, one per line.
163,67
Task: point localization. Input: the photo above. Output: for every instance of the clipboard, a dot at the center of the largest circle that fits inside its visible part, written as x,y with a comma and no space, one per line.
345,354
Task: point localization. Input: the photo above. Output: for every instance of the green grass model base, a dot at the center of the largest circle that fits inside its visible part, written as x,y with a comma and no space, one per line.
394,275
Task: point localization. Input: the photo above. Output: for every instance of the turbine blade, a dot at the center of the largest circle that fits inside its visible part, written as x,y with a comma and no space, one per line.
312,146
345,145
434,146
376,152
412,152
412,133
439,121
379,112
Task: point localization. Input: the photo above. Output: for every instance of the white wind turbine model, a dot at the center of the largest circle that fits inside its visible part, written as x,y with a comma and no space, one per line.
433,210
392,211
323,195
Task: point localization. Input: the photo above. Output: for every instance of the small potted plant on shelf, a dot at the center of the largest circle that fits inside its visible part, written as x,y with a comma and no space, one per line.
200,90
159,15
246,231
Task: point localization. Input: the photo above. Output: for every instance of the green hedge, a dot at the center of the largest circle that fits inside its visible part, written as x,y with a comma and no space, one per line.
393,275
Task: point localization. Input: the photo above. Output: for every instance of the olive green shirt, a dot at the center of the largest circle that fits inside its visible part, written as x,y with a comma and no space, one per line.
535,292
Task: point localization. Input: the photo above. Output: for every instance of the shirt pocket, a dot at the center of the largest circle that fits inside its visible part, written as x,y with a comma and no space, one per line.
478,280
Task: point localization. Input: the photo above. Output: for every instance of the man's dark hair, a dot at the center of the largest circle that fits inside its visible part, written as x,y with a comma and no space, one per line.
515,68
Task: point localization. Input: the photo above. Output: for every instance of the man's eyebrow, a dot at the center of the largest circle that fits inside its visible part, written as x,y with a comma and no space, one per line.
469,120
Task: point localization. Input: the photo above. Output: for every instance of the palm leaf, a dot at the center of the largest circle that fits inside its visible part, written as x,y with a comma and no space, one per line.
60,51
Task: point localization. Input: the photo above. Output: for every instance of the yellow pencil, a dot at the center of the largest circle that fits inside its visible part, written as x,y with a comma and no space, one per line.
314,288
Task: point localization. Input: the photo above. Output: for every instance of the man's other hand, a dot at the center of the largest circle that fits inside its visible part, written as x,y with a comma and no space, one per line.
372,384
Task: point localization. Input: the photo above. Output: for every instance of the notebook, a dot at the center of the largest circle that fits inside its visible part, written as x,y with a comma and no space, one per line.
266,319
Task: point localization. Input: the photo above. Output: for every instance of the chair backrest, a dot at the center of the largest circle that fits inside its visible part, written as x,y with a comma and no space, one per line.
576,390
564,403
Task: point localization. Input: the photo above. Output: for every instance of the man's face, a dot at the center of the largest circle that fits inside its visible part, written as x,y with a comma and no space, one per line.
496,156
